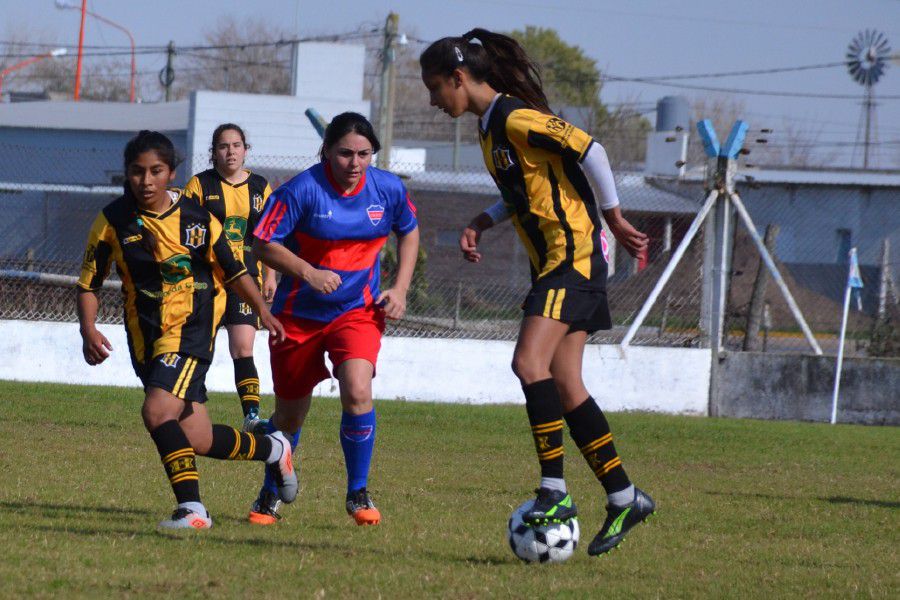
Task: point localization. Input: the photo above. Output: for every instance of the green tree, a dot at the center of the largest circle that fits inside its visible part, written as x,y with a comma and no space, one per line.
570,76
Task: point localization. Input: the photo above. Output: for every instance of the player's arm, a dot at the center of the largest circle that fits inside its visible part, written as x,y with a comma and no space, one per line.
94,269
471,235
394,299
633,240
234,274
94,345
276,256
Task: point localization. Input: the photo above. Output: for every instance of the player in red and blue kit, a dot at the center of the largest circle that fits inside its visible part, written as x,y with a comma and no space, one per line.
324,230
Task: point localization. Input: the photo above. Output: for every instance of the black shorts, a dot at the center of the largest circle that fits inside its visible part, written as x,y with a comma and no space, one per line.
181,375
238,312
582,306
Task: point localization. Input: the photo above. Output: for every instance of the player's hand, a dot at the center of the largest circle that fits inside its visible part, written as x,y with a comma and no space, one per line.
95,347
468,243
268,291
274,326
633,240
323,281
393,302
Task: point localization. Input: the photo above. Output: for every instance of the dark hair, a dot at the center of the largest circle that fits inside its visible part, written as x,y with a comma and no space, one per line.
344,123
218,133
147,141
498,60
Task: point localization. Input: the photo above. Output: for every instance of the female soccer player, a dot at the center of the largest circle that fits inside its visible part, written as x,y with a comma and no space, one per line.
323,230
174,264
236,197
552,177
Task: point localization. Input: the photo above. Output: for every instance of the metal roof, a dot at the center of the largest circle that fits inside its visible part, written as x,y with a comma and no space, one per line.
96,116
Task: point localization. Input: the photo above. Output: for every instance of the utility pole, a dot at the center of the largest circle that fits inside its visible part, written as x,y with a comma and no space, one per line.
388,78
167,75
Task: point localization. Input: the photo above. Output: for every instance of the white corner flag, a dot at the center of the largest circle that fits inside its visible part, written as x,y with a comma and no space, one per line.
854,279
854,282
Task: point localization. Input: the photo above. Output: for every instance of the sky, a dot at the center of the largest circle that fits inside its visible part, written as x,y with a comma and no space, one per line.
635,39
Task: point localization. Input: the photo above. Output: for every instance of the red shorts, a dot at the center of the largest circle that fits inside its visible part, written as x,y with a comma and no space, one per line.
298,363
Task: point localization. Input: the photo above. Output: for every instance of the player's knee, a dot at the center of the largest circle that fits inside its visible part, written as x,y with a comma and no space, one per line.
356,394
527,369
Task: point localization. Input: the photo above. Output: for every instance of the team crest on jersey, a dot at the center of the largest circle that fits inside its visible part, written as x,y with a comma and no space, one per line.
195,235
376,213
258,202
556,125
502,158
176,268
244,309
235,228
170,359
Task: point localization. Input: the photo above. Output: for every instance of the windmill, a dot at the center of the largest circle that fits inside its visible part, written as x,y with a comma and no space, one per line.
867,57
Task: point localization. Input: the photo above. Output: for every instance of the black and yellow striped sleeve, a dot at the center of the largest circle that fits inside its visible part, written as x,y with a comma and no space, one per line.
528,128
221,256
97,254
194,190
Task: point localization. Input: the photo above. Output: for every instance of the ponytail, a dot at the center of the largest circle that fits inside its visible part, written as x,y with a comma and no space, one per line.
498,60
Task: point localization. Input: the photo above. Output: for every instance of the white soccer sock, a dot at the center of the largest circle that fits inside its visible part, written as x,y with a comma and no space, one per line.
194,507
554,483
622,497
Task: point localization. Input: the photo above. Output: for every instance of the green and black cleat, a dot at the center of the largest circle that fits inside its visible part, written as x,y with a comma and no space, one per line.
550,506
619,520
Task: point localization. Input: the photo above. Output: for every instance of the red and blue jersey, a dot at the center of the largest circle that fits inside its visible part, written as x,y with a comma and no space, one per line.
338,231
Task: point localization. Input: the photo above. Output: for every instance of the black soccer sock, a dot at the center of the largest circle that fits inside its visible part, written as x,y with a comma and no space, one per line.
545,416
590,430
230,444
179,461
246,380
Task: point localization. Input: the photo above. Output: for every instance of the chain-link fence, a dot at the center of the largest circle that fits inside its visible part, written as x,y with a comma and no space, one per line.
50,197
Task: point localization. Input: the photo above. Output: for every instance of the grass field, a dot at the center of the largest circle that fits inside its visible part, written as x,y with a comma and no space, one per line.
746,508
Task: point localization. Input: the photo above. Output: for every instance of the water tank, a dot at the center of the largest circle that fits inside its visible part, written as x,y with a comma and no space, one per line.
672,112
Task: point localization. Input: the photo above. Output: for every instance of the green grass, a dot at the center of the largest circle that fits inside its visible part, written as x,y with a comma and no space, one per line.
746,508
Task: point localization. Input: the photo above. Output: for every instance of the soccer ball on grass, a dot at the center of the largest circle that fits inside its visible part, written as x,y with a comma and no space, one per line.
554,542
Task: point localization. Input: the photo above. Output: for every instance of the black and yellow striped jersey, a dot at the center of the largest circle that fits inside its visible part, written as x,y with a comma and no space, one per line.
534,159
236,206
173,298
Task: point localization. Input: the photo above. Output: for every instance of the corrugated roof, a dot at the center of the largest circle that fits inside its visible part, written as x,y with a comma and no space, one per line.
96,116
810,176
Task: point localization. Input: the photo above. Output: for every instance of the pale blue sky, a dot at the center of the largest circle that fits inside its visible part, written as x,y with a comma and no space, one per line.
633,39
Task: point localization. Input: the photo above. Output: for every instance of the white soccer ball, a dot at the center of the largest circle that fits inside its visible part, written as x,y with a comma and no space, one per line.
553,543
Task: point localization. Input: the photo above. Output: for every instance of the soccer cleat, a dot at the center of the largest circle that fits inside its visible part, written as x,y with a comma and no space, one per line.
264,511
184,518
619,520
253,423
282,470
550,506
362,509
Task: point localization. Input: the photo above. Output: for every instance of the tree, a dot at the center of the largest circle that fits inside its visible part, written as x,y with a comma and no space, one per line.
249,63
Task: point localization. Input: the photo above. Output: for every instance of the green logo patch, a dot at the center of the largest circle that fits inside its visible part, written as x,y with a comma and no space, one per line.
176,268
235,228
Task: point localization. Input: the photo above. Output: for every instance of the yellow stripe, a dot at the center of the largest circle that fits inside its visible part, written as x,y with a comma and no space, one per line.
596,444
237,444
189,373
177,454
544,427
181,375
608,467
548,305
252,450
248,380
557,304
189,476
550,454
251,398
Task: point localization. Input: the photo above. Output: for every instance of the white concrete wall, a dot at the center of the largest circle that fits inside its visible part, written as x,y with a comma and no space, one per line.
671,380
330,71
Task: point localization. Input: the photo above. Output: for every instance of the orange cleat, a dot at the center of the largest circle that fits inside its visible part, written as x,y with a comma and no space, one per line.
362,509
264,511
